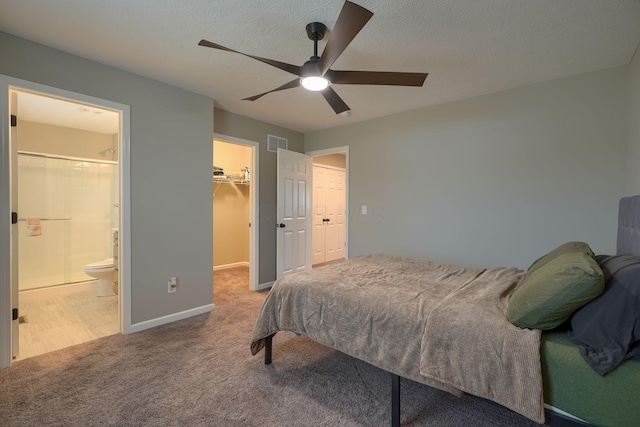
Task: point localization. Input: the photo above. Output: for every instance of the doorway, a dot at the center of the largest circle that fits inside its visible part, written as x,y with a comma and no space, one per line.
235,201
68,170
330,176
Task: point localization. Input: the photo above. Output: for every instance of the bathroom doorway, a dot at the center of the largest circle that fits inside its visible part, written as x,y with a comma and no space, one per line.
235,202
66,155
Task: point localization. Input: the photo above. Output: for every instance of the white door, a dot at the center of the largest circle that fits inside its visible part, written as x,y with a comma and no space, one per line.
13,147
329,211
335,213
293,221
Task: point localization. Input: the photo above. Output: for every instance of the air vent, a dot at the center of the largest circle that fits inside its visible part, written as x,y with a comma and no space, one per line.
275,142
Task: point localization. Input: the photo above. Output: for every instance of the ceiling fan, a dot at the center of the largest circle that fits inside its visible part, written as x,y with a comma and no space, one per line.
316,74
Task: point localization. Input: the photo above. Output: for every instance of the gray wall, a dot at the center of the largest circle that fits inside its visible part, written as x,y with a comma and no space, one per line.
171,150
237,126
633,186
494,180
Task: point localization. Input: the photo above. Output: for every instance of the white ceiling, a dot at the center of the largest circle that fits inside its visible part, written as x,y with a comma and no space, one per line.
59,112
468,47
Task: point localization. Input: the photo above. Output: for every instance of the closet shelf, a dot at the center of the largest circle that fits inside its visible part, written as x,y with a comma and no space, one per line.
219,180
230,180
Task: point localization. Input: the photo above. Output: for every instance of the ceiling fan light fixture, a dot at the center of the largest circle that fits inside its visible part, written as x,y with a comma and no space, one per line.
311,75
314,83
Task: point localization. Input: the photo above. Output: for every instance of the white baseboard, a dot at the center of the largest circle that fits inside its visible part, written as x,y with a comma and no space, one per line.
265,285
232,265
147,324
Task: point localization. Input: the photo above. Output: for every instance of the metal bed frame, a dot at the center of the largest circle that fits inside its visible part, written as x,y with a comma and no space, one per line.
553,419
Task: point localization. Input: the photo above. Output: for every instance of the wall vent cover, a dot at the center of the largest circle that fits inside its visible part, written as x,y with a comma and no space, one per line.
275,142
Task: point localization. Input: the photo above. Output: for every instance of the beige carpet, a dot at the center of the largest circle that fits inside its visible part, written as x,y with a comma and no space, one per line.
200,372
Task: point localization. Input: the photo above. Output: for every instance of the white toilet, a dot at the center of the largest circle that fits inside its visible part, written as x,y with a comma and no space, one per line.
106,275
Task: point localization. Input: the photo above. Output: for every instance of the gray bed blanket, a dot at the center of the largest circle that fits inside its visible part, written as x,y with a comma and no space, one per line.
441,325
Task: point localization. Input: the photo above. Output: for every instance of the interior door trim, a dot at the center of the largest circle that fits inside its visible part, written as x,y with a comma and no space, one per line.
254,218
8,84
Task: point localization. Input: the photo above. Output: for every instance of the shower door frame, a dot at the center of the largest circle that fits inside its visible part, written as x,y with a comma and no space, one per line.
10,85
80,276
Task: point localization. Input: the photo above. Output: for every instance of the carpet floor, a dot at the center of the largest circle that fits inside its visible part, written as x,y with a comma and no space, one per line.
200,372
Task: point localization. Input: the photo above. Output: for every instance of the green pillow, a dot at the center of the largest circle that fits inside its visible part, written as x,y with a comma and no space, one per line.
548,295
569,247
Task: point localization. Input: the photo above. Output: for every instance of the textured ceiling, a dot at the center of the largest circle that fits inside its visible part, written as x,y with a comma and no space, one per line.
468,47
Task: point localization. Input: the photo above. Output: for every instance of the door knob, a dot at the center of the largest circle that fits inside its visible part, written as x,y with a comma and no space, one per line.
281,225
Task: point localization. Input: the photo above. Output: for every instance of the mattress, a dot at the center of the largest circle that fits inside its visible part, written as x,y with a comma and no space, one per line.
441,325
571,385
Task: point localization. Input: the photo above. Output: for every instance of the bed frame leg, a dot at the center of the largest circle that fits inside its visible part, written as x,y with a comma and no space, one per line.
268,346
395,400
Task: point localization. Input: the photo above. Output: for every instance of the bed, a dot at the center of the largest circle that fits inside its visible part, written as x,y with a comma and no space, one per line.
445,326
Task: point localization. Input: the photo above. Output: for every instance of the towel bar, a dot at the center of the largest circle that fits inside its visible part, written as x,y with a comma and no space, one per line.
49,219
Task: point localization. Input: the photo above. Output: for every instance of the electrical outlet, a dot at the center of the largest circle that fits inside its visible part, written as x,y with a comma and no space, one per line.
173,285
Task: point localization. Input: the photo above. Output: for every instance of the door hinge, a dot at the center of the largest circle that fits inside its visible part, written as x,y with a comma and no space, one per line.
14,315
14,121
14,217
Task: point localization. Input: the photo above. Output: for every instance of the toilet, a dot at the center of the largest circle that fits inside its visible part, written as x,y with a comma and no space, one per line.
106,275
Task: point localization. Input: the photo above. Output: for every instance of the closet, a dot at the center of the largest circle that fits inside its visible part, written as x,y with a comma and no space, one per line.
231,204
329,211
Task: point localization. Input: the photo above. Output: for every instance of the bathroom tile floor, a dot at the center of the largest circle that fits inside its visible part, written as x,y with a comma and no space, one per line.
62,316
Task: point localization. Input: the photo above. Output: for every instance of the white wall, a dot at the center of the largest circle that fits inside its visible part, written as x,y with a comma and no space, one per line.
494,180
633,186
64,141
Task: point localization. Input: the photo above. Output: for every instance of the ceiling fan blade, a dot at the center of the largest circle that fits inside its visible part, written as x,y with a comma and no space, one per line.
376,78
290,85
335,101
293,69
349,23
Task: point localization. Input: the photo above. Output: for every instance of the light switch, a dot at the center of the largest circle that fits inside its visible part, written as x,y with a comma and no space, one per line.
364,209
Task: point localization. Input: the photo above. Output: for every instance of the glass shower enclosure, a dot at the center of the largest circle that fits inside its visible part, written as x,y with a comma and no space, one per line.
76,203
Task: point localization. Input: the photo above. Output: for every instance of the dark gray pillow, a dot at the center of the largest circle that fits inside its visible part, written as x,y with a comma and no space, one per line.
607,329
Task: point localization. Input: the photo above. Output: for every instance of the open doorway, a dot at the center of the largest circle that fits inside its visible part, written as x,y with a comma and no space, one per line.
330,208
235,191
65,174
67,177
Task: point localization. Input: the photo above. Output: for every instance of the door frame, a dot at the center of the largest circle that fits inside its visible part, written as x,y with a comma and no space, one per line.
10,84
254,219
337,150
